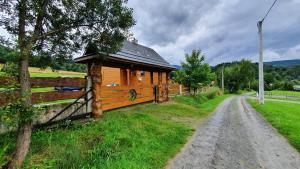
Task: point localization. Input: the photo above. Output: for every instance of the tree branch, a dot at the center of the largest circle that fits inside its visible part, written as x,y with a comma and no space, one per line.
21,26
39,21
50,33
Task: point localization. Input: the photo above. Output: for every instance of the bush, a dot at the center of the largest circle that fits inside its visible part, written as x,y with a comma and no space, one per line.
10,69
212,94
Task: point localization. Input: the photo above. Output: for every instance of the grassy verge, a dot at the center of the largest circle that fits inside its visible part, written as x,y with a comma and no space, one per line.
285,117
142,136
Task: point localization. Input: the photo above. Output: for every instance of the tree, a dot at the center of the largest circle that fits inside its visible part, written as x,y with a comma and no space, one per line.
194,73
247,73
57,29
233,78
238,75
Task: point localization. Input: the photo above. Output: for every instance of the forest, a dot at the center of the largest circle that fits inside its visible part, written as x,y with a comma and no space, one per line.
243,75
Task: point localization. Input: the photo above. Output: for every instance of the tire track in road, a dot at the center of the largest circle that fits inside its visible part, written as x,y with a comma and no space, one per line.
235,137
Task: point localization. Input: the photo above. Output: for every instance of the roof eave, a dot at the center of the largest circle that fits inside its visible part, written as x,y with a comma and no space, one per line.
87,58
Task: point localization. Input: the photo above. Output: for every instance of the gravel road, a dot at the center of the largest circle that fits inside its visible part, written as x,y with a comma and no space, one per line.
236,137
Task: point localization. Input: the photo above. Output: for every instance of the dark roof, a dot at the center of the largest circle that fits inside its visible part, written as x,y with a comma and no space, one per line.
135,53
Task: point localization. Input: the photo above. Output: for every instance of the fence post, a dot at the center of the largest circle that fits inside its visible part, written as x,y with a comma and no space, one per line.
89,95
96,74
180,90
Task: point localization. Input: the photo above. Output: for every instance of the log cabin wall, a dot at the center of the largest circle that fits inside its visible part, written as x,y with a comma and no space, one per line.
129,77
111,76
128,80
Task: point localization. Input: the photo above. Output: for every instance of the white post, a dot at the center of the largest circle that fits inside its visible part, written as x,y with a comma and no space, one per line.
89,95
261,64
223,78
180,90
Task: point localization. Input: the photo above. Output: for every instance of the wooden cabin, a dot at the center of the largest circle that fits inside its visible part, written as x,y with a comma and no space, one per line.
136,74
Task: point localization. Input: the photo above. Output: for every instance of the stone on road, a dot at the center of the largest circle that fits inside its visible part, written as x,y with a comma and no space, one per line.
236,137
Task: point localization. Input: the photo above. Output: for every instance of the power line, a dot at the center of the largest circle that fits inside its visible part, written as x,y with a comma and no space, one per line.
269,10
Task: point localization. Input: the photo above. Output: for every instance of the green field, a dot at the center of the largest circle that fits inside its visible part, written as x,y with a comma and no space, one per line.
142,136
285,117
282,93
37,72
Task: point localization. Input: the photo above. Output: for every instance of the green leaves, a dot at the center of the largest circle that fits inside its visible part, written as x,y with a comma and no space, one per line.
194,73
237,75
68,25
16,114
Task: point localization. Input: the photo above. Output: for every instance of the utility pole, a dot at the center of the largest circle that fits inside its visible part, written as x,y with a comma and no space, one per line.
261,60
223,78
260,65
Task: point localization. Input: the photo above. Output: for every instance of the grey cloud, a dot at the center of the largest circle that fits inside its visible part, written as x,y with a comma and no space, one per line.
223,29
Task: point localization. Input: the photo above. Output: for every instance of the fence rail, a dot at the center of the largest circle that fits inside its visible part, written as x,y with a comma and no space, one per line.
111,97
41,82
45,82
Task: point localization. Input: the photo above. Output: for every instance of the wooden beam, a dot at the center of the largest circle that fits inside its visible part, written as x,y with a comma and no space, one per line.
96,76
45,82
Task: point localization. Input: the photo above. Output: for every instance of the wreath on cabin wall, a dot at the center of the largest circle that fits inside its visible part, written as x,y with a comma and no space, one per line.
132,94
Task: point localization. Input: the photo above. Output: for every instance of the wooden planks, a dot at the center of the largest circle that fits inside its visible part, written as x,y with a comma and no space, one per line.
116,97
40,82
174,89
53,96
46,82
7,81
60,82
8,97
111,75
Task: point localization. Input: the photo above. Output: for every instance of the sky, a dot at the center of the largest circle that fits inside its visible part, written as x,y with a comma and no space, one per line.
224,30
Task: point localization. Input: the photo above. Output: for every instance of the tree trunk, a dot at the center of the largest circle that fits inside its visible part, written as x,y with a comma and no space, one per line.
22,146
249,85
24,130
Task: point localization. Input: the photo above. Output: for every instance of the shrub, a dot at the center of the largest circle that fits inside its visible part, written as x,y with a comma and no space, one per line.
10,69
212,94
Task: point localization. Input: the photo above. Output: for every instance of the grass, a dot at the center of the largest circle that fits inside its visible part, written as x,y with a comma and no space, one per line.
285,117
283,93
141,136
36,72
57,102
44,89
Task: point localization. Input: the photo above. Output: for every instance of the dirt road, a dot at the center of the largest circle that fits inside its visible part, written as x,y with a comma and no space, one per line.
236,137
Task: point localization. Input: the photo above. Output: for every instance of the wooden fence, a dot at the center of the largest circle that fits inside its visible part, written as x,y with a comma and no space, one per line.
37,97
111,97
175,88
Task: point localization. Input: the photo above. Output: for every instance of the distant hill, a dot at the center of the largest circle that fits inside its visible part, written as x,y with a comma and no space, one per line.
284,63
177,67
